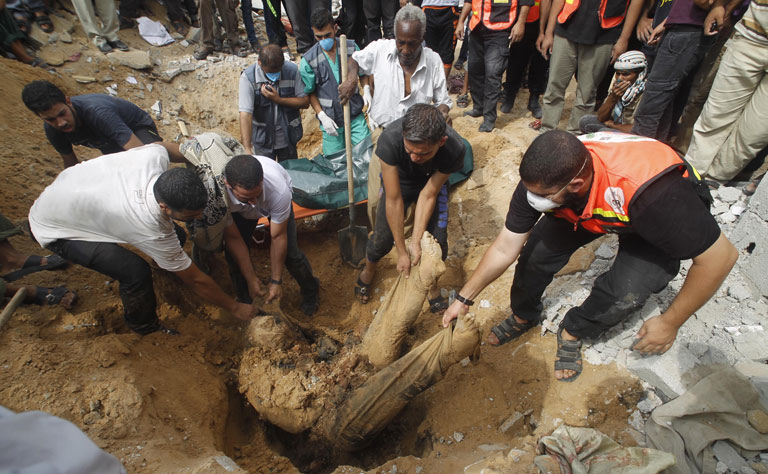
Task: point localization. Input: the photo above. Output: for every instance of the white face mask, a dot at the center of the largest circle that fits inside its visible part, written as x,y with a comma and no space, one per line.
541,204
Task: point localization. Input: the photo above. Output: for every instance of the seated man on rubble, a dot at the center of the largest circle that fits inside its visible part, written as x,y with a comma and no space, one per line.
418,152
128,198
609,182
270,98
99,121
257,187
321,74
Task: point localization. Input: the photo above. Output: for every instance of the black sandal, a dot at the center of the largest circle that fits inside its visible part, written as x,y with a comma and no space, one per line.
363,290
50,296
568,356
438,304
44,22
510,329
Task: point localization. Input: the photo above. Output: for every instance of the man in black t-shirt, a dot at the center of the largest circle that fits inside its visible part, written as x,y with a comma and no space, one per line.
99,121
417,154
610,182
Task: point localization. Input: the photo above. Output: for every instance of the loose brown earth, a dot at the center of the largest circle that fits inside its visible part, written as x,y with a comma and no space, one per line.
171,404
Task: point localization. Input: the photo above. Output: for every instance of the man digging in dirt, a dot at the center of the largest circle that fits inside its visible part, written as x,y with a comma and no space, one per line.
99,121
417,154
128,198
606,182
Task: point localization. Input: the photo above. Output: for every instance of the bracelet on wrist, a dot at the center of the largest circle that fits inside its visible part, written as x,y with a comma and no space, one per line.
465,301
275,282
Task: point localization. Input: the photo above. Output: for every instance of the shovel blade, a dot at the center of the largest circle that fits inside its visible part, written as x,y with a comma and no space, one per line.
352,242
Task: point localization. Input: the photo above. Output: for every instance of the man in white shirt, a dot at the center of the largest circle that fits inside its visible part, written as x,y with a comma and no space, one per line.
408,73
259,187
128,198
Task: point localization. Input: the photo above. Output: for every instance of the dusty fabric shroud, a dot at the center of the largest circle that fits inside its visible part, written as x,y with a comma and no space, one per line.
401,306
576,450
153,32
378,401
713,409
209,153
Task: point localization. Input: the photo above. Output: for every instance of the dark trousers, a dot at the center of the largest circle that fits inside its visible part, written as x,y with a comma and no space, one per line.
522,54
380,15
441,25
272,23
228,17
279,155
175,9
148,135
246,7
129,8
488,53
638,271
296,262
381,241
298,12
680,51
353,21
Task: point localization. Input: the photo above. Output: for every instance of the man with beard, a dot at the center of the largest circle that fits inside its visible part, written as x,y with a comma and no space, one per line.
97,121
608,182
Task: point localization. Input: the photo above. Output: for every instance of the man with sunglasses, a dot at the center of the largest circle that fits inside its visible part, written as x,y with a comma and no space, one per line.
608,182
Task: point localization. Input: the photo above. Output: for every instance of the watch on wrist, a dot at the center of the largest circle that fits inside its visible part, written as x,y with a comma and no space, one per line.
463,300
276,282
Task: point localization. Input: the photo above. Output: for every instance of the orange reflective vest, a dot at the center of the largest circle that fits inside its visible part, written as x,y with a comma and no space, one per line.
609,20
533,13
624,165
494,14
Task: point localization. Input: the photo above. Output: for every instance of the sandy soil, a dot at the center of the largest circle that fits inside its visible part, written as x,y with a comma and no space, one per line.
173,404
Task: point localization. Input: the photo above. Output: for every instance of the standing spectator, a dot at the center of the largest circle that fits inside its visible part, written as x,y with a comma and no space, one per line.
321,74
688,34
11,38
442,18
99,20
246,6
271,94
353,21
731,129
523,54
207,20
380,15
618,110
493,26
25,11
274,26
583,37
298,12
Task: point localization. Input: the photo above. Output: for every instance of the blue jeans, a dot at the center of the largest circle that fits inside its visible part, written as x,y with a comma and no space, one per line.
247,8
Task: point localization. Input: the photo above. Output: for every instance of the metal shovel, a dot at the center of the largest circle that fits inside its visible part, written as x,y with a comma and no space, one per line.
352,239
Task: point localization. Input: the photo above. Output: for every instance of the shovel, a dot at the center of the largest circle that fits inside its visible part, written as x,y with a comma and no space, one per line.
353,239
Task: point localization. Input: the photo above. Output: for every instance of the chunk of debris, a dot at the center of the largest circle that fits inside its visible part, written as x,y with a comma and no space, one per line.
84,79
516,422
135,58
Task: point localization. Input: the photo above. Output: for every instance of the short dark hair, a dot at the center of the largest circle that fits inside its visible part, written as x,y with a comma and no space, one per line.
424,123
553,159
244,171
40,96
320,17
181,190
271,55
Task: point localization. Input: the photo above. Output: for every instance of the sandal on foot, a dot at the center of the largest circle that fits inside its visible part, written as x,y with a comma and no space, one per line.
751,187
33,264
51,296
362,290
568,356
22,23
462,100
438,304
536,124
510,329
45,23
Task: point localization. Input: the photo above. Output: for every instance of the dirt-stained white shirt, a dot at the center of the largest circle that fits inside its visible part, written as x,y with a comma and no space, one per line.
111,199
276,200
389,100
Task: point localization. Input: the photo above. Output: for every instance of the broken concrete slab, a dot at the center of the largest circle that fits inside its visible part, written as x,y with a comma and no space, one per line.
135,58
729,194
52,56
752,345
750,236
516,422
664,372
727,454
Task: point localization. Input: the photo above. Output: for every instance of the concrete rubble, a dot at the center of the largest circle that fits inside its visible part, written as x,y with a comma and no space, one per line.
135,58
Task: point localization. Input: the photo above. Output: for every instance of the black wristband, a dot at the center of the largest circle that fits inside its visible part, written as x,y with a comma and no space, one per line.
275,282
463,300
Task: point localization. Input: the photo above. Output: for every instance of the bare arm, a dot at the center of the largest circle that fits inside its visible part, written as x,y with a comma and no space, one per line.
705,276
246,128
500,255
347,88
425,206
174,152
395,213
633,13
460,24
314,103
204,286
278,249
133,142
69,159
239,250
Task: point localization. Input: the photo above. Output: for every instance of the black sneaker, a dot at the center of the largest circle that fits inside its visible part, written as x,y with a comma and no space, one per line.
105,48
486,126
473,113
117,44
202,53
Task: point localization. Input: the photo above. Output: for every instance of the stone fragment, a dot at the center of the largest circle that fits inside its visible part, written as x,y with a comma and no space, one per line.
135,58
106,78
727,454
52,56
636,421
459,437
664,372
515,454
194,35
493,447
721,468
728,194
37,37
84,79
739,292
516,422
605,252
752,345
65,37
579,261
184,43
759,420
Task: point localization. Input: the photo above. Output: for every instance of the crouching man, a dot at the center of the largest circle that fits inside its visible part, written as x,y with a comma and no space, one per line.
636,187
128,198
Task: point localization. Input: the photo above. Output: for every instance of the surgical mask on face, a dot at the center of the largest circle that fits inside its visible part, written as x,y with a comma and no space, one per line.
273,76
541,204
327,43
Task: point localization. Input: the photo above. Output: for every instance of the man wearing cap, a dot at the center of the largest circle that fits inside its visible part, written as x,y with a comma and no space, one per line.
618,110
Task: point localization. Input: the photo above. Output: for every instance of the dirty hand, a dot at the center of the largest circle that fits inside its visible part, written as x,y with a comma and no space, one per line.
275,292
459,33
619,88
656,336
270,93
367,97
254,288
404,263
714,21
544,45
644,29
517,32
346,90
415,252
456,309
244,311
618,49
328,124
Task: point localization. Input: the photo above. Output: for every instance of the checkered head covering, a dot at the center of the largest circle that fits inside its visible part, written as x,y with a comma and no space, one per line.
631,61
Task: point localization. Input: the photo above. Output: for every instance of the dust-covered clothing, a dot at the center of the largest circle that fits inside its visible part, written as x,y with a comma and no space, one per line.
103,122
9,30
111,199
